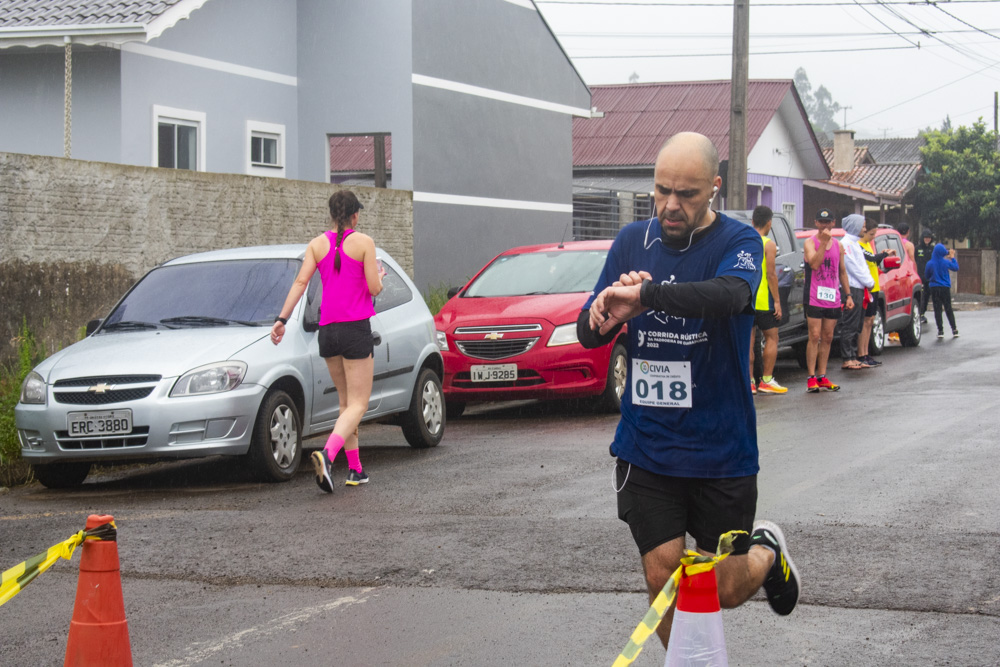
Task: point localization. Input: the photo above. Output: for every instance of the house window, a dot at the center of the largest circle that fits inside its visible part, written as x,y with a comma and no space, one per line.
178,139
265,149
788,208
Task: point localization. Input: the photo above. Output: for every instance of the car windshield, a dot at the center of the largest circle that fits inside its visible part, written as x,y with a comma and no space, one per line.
225,293
557,272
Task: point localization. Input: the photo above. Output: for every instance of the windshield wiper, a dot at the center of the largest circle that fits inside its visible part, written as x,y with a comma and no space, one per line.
195,320
129,324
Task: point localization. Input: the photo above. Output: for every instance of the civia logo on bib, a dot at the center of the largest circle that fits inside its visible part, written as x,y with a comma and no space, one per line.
644,367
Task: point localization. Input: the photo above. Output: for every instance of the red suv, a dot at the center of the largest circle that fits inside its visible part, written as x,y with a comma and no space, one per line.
900,286
510,333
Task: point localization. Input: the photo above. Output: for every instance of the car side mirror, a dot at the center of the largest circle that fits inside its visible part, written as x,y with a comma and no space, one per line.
310,325
376,338
92,326
453,291
892,262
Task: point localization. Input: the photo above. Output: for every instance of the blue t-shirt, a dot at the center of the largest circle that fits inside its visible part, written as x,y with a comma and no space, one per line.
699,365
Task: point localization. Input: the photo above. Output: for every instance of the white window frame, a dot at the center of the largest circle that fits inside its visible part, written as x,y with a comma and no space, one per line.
184,117
788,208
275,130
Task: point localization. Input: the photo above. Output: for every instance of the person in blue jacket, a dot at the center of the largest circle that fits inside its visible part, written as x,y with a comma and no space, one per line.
938,279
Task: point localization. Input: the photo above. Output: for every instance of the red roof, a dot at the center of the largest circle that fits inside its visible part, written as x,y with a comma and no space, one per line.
357,154
639,117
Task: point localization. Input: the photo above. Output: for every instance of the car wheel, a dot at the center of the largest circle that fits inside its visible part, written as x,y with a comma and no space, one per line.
910,335
423,422
61,475
877,342
614,388
799,349
276,446
454,409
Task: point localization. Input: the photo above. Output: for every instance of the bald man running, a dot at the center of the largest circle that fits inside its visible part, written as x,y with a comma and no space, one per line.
686,445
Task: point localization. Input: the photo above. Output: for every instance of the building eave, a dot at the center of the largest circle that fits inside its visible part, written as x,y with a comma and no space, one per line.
94,34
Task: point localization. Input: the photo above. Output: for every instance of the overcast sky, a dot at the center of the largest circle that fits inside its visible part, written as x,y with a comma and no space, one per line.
864,52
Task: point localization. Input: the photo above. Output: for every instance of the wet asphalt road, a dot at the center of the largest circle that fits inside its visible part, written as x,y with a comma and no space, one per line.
502,547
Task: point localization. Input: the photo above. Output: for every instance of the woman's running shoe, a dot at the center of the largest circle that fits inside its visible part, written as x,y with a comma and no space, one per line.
812,385
321,464
354,478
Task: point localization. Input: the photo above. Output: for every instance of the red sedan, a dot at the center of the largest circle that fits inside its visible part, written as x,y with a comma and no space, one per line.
510,333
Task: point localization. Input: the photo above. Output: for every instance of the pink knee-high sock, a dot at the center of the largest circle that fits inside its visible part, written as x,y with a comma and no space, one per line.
353,459
333,446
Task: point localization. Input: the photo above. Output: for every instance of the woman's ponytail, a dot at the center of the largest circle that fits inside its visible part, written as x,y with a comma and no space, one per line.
343,204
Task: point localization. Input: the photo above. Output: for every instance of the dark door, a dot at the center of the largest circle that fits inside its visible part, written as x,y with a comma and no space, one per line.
970,272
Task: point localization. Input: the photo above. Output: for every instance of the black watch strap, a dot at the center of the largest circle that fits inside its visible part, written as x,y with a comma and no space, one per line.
283,320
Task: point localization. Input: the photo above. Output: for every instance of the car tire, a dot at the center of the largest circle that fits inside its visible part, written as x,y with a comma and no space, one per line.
61,475
454,409
423,423
276,446
910,335
610,399
799,349
876,344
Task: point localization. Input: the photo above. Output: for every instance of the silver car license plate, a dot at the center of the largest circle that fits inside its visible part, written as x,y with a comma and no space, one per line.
106,422
494,373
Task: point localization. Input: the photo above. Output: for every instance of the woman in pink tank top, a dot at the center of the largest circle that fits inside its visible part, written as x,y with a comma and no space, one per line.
351,277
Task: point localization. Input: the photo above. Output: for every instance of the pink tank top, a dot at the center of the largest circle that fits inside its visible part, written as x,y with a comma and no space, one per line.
345,294
823,284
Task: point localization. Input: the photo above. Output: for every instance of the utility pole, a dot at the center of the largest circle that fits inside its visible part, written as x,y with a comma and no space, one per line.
68,98
845,115
736,191
996,95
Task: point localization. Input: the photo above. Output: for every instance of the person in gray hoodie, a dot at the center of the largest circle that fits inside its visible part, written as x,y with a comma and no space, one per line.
858,277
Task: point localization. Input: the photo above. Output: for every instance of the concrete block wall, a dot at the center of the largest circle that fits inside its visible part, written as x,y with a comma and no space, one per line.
74,235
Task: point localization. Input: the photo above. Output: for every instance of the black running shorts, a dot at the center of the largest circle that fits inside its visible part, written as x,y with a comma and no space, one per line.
764,320
350,340
871,308
818,313
658,509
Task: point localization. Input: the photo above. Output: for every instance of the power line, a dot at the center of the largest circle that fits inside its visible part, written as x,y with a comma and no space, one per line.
760,35
964,22
755,53
916,97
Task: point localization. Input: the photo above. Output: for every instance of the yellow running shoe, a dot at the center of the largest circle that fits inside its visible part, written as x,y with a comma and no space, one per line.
771,387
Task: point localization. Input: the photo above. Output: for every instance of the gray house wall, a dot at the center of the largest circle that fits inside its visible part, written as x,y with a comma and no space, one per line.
245,33
354,64
31,102
470,145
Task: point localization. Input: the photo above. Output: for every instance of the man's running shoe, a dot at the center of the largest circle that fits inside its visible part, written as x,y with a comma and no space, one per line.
954,333
354,478
940,335
771,387
321,464
753,387
923,319
782,582
812,385
871,361
825,384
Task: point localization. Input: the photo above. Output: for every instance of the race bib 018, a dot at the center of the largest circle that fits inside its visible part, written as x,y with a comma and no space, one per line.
661,384
826,294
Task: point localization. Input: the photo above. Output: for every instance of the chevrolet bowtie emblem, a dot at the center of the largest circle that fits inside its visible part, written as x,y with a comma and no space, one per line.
493,336
101,388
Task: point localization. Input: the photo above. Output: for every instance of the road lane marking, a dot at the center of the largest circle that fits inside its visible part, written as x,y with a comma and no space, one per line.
201,651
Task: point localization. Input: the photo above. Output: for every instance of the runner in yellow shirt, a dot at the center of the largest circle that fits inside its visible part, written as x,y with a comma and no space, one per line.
767,308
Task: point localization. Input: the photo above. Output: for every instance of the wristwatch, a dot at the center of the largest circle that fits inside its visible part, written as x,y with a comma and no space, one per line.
283,320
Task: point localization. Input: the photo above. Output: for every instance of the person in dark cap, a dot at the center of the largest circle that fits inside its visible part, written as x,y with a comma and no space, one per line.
922,254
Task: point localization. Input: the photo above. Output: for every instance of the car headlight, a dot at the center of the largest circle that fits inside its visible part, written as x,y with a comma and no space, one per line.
563,335
442,340
33,389
210,379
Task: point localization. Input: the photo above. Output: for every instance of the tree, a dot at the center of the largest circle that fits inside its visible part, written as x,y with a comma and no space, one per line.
820,106
958,193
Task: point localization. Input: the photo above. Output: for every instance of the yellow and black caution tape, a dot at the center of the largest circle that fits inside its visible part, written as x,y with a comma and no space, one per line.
691,564
19,576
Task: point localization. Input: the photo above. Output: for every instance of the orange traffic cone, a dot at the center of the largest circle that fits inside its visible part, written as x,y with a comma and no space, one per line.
696,633
98,633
